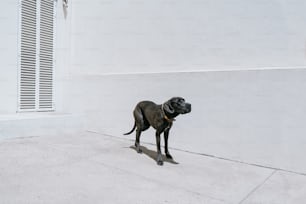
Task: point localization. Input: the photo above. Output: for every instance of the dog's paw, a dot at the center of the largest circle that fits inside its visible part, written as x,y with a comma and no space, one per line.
139,151
160,162
137,147
169,156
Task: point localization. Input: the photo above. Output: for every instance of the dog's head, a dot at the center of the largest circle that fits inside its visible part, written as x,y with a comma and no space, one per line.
177,105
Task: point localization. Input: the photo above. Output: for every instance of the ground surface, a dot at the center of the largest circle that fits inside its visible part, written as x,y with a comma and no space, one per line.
96,168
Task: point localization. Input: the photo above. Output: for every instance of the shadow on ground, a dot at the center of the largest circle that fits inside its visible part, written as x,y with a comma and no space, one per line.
153,154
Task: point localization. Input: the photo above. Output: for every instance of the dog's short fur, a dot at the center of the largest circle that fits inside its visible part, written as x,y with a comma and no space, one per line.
160,117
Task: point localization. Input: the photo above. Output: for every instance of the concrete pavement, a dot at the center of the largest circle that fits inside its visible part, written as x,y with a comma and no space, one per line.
95,168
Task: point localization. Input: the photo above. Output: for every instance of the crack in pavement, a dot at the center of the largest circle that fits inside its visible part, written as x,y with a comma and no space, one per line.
208,155
257,187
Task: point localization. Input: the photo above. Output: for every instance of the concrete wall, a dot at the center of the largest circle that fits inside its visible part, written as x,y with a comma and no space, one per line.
251,116
240,63
13,124
126,51
182,35
8,52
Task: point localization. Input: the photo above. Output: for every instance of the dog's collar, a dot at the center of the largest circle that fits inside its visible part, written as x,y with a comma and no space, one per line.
170,120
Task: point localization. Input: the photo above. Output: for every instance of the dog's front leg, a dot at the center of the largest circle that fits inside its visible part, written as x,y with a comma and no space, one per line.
159,154
166,136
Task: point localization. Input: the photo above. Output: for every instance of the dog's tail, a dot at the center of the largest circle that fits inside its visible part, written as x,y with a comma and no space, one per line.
131,130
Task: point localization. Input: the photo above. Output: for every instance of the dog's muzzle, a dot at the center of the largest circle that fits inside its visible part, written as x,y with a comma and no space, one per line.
187,108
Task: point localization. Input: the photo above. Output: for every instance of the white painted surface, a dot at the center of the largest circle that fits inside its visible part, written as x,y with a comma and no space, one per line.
280,188
8,53
251,116
36,124
94,168
91,168
157,36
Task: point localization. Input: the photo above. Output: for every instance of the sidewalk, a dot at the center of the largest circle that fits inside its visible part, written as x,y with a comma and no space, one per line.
95,168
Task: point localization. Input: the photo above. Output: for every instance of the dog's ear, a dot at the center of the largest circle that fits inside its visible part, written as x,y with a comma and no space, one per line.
168,107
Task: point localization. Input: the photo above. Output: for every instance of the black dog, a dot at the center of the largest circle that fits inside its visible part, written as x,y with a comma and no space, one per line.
160,117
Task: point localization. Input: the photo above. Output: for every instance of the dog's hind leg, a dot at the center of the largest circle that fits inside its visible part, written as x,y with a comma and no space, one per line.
137,142
139,126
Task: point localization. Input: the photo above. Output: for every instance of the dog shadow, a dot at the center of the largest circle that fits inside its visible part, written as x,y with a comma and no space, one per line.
153,154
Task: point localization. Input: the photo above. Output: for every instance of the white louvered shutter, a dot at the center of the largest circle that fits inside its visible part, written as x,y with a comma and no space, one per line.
46,55
27,98
37,55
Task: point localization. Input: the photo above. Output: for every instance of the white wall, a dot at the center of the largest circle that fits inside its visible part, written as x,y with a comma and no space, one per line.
13,124
8,52
153,36
159,49
252,116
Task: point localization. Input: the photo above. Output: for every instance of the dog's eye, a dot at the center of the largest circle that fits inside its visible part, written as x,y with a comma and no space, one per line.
180,102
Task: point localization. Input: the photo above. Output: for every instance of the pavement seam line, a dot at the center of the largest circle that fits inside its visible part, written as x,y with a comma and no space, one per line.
207,155
257,187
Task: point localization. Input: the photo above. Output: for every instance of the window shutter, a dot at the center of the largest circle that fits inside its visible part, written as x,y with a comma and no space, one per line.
37,54
46,55
28,56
